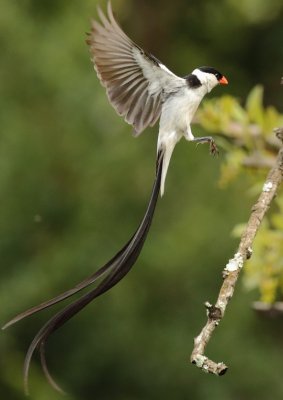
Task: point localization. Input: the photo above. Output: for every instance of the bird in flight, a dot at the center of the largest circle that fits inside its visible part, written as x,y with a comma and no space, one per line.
143,91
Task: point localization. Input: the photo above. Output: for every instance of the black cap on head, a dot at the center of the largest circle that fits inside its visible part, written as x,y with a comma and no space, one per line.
211,70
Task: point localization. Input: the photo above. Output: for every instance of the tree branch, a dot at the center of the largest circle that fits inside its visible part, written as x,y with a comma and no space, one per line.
233,268
273,310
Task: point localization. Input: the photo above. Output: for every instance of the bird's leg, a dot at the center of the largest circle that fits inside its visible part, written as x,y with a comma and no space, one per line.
208,139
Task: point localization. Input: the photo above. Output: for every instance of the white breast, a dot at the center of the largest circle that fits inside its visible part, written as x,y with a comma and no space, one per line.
178,111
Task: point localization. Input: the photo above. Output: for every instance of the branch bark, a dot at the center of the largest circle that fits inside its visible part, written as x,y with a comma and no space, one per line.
234,266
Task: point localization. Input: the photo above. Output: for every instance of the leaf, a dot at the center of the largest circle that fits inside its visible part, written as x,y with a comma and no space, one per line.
271,120
268,288
232,167
254,105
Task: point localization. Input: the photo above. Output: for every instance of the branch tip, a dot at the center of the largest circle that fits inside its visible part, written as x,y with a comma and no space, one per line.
209,366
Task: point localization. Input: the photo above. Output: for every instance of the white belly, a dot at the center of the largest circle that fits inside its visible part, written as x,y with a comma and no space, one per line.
177,113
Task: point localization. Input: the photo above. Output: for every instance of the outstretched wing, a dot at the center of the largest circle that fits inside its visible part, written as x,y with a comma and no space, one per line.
136,82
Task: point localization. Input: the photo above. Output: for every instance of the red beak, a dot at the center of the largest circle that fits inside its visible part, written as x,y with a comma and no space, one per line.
223,81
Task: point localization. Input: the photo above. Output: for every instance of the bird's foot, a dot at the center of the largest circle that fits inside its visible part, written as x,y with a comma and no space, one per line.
212,145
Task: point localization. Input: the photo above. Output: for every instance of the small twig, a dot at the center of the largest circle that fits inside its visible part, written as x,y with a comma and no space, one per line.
258,162
273,310
233,268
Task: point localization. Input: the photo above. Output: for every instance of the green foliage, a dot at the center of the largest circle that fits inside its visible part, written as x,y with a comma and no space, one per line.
251,148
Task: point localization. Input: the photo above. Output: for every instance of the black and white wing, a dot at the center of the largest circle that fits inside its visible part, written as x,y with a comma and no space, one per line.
135,81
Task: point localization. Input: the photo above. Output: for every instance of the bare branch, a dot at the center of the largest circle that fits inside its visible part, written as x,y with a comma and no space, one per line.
258,162
273,310
233,268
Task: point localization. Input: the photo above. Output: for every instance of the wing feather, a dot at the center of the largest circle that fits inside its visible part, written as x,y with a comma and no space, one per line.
136,82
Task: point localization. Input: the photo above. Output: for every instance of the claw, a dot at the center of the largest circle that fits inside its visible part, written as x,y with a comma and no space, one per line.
212,145
213,148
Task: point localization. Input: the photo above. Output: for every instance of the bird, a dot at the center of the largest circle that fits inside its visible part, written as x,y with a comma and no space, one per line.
142,90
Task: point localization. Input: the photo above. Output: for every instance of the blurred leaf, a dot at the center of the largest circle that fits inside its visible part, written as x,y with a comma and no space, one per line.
268,289
254,105
231,168
271,120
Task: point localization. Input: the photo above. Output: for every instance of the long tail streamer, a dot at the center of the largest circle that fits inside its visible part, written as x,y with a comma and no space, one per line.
114,270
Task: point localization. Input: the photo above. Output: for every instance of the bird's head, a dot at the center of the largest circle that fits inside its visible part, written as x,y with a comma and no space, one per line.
209,77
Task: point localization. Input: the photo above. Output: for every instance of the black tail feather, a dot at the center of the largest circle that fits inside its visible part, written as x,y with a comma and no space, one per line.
115,269
80,286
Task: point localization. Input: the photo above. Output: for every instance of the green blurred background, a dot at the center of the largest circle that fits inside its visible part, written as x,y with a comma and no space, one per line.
74,185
